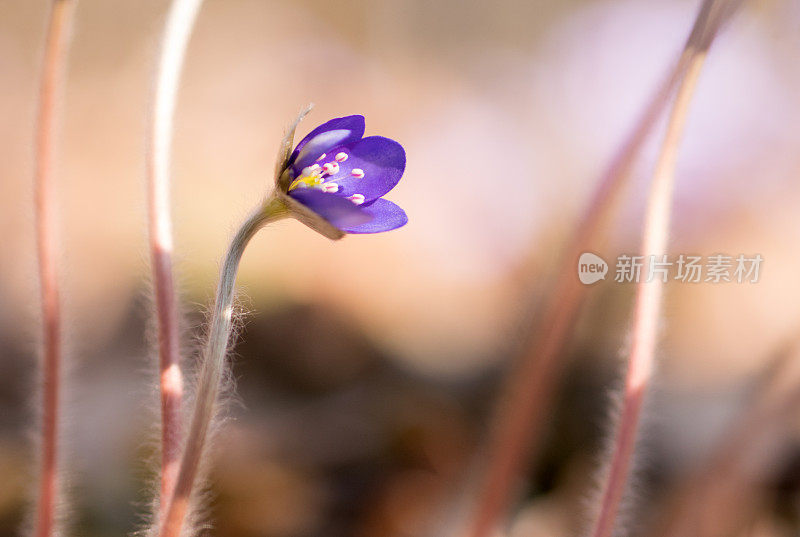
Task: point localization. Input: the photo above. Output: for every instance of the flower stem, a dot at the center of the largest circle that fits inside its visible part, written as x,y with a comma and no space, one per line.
641,359
519,418
709,497
213,367
177,32
520,415
51,85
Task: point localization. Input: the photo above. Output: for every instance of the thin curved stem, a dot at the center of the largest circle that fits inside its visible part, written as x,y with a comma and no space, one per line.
641,359
213,367
520,415
177,32
707,499
61,14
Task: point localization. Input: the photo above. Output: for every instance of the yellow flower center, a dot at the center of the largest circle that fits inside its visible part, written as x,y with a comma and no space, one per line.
311,176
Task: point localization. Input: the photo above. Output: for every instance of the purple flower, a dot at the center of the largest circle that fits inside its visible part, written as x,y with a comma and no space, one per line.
341,176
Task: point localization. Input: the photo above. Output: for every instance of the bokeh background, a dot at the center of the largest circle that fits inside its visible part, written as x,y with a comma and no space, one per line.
367,369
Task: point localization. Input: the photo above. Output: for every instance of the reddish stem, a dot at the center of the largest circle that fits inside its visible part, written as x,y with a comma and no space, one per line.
51,85
171,377
177,31
707,500
649,294
212,370
518,420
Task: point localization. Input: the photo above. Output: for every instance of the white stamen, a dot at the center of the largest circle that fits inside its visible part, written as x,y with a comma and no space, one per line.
341,157
322,156
331,168
310,170
358,199
358,173
330,187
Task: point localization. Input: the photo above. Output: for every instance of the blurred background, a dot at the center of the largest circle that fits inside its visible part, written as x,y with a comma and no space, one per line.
367,369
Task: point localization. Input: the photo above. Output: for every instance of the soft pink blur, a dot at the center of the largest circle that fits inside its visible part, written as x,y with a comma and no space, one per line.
506,110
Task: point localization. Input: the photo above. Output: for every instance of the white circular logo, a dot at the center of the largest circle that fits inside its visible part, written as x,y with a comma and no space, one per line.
591,268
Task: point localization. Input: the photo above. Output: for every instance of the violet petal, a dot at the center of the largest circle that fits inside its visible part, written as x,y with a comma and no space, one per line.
385,217
380,160
339,211
354,130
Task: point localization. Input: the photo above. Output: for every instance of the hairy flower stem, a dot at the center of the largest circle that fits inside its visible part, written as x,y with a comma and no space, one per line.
61,14
177,32
213,367
520,415
641,359
709,500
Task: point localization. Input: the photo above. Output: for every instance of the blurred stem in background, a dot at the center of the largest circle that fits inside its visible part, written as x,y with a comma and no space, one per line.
715,498
177,31
213,368
57,42
526,399
649,296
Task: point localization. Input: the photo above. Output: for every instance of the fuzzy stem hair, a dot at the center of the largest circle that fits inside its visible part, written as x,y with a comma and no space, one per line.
177,32
708,501
519,417
213,368
649,294
57,42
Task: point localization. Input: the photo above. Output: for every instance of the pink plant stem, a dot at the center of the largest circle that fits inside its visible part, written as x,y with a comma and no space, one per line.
648,305
212,370
159,144
519,418
705,496
520,415
51,85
